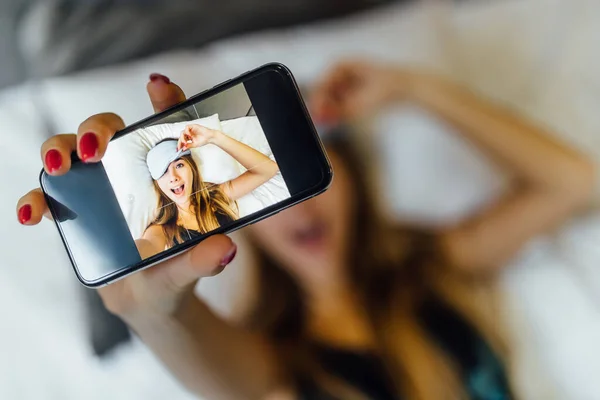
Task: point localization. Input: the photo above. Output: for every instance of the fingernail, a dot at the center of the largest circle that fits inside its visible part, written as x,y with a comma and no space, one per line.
88,146
229,256
53,160
159,77
25,214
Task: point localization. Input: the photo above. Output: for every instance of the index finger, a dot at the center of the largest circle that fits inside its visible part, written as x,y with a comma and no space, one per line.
181,141
32,207
94,134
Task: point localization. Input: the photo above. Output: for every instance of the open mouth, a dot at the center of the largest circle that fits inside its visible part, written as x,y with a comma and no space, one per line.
311,235
178,190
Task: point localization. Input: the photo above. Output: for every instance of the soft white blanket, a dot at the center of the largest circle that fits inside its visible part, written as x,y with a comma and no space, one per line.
537,56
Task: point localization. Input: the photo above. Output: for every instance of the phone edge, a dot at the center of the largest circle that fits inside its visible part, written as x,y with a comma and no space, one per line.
317,189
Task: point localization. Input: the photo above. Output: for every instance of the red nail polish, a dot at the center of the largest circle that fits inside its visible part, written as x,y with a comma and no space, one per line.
230,256
24,213
159,77
88,146
53,160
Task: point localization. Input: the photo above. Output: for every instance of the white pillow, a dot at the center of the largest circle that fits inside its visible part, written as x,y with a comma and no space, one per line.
248,131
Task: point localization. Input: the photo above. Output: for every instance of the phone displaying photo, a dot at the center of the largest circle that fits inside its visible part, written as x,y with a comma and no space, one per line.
225,158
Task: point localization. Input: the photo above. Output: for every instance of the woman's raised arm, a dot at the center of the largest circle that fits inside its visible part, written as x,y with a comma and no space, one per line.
551,180
259,167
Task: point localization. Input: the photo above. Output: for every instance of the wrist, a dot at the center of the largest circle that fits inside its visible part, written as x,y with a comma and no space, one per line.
402,84
407,84
216,138
424,87
143,320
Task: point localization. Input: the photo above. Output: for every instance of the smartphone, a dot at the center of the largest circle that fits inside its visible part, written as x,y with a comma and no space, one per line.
155,186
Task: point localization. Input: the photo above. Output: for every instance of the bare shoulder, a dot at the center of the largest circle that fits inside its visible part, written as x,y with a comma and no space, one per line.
154,239
153,230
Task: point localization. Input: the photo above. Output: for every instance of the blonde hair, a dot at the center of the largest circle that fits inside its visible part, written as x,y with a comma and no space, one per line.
206,201
394,269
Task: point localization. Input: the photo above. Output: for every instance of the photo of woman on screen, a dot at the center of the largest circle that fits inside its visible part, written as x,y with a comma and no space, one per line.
188,206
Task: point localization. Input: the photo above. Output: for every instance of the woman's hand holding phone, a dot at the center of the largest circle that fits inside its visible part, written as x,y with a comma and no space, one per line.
158,291
208,354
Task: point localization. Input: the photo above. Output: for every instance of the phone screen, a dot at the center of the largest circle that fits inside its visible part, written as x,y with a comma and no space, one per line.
194,171
204,168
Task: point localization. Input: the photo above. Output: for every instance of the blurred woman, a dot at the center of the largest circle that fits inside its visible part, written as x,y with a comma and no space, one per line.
350,305
188,207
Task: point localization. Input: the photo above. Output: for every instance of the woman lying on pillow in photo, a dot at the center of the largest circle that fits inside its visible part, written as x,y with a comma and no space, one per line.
187,206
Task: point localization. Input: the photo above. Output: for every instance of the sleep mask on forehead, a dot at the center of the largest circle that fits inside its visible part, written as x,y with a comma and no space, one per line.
161,156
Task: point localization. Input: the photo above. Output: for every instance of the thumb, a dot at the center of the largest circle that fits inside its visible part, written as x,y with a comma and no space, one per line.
208,258
163,93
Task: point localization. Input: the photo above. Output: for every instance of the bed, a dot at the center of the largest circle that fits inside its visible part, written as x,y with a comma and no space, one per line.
538,57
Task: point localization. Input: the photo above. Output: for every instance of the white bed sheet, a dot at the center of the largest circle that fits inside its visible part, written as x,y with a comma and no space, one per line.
537,56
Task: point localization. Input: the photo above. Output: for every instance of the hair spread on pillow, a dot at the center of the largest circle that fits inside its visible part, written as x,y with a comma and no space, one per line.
207,200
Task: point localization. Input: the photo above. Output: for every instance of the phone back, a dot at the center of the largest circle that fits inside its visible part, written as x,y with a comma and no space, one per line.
91,222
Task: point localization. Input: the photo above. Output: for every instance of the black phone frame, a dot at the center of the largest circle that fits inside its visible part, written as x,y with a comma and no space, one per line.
300,154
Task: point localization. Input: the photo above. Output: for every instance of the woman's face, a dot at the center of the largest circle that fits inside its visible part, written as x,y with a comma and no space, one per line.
176,183
312,237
